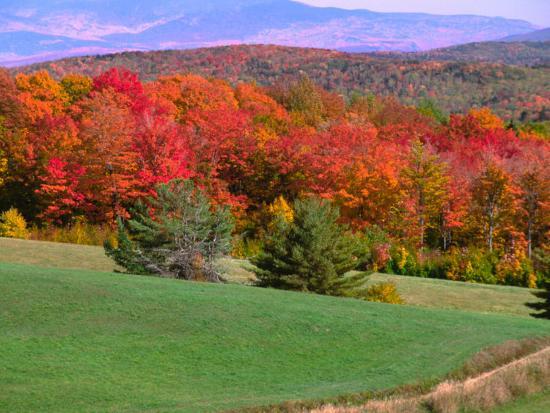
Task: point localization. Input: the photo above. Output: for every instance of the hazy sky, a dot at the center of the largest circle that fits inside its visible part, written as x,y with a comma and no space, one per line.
535,11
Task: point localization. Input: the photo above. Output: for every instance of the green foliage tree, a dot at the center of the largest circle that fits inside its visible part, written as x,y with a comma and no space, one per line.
313,253
430,108
179,234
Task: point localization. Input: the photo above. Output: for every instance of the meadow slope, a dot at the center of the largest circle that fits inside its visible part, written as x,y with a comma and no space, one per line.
79,340
415,291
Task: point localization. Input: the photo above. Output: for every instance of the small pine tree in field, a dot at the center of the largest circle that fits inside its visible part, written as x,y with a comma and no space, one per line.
313,252
13,225
178,235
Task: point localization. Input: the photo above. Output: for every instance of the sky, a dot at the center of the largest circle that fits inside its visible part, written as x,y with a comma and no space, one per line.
534,11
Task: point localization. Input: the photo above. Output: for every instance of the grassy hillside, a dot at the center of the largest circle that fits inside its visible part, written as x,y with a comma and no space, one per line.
458,295
415,291
536,403
456,86
91,341
54,255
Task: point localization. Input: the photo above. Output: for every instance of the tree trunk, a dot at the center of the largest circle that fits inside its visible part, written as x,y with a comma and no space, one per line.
529,238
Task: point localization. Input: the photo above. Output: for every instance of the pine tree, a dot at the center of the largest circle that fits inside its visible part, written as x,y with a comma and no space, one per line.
542,307
313,252
541,260
178,235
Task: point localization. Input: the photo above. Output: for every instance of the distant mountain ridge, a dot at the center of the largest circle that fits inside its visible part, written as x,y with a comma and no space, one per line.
34,30
536,36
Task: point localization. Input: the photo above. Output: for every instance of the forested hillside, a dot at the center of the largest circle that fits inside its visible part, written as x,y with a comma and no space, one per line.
512,92
524,53
462,197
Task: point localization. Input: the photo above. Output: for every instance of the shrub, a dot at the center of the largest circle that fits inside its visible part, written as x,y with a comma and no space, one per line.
178,235
245,248
377,248
311,253
380,256
13,225
384,292
478,266
516,269
79,232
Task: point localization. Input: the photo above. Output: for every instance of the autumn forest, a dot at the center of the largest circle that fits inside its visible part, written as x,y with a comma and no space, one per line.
462,196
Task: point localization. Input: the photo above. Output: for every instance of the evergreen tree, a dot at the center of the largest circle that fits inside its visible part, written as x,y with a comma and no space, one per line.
542,307
312,252
541,259
179,234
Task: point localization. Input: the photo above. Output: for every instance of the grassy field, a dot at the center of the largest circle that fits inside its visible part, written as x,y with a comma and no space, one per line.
82,341
54,255
536,403
415,291
428,292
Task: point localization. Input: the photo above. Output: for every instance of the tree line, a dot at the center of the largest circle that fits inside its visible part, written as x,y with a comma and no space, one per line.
461,196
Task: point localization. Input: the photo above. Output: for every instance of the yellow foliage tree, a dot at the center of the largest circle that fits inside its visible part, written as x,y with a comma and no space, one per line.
13,225
41,94
280,209
487,119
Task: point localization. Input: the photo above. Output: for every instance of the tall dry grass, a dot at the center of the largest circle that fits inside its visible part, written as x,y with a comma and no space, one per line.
491,378
80,232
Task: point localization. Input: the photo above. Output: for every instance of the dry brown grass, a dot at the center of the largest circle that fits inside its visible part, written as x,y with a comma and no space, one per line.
493,377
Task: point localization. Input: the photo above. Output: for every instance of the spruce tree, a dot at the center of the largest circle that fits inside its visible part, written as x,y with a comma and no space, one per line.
542,307
176,234
312,252
541,260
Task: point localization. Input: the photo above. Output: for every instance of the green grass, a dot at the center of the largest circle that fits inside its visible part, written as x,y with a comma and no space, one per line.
415,291
54,255
83,341
536,403
459,295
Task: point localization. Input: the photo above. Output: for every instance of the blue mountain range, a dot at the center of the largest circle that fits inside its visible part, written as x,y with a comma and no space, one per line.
33,30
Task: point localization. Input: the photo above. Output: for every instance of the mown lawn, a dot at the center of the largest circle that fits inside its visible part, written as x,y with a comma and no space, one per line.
415,291
83,341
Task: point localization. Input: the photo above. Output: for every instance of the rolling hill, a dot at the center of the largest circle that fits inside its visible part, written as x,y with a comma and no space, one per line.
441,294
69,27
513,92
78,340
